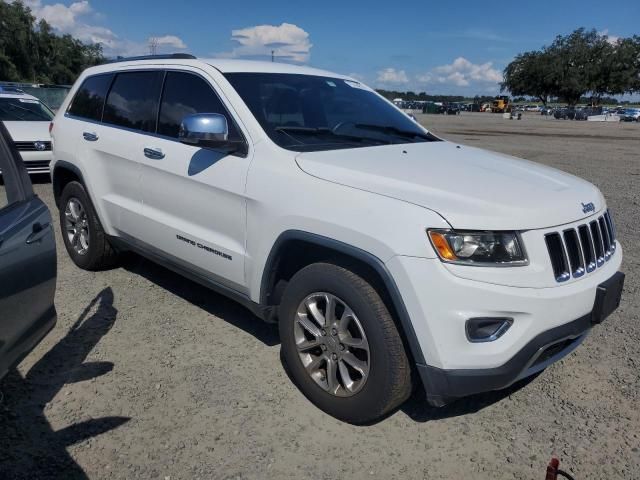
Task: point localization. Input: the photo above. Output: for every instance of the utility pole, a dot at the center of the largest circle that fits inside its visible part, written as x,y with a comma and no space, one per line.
153,45
272,55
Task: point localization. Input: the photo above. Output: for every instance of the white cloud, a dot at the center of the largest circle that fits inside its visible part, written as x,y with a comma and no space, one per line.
171,41
612,39
462,73
75,19
288,42
391,76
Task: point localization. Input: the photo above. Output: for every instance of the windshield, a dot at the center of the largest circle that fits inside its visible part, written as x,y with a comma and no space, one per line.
310,113
23,109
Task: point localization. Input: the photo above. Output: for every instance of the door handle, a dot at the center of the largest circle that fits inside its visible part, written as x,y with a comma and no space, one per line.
153,153
39,231
90,136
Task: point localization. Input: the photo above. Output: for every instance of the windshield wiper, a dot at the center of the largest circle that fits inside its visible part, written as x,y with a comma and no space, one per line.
395,131
294,129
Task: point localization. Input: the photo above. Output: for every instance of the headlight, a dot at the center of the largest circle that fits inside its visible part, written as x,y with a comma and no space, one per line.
478,248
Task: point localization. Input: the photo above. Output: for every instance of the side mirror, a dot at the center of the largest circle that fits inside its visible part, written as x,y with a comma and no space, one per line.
209,130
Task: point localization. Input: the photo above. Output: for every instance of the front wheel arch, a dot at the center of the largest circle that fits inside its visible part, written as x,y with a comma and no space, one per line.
296,249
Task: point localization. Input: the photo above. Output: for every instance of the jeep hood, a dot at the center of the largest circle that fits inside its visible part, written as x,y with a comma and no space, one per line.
471,188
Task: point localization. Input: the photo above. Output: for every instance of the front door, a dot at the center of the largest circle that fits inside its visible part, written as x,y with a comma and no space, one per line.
194,208
27,261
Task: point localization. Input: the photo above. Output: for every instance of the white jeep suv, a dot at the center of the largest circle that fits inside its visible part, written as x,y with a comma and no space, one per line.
388,257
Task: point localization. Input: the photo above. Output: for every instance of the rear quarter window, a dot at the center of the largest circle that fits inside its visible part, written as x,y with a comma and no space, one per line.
89,99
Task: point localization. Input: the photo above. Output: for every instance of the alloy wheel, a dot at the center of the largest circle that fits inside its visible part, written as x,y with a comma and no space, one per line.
77,226
332,344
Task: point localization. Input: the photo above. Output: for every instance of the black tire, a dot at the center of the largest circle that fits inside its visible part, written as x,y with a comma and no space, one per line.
100,255
389,381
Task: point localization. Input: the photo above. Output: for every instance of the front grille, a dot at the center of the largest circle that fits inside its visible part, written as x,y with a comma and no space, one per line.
37,165
577,251
31,146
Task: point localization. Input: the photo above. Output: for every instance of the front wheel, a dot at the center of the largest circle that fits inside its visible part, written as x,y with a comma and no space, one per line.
341,345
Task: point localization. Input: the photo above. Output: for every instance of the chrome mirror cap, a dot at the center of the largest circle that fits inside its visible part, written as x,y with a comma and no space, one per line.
204,127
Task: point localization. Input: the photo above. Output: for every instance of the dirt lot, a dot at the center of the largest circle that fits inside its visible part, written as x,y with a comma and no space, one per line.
148,375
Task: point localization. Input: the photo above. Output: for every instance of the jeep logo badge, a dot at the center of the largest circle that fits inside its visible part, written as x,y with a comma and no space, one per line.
588,207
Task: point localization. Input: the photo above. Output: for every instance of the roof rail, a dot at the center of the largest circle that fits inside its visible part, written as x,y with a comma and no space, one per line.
174,56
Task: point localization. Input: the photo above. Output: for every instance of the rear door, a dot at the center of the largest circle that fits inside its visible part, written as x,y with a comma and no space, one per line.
27,261
110,113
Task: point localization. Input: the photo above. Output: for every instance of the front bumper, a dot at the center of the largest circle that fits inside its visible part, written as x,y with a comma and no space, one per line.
548,323
444,386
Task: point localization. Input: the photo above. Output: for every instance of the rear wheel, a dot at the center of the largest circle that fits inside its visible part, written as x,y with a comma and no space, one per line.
341,345
84,238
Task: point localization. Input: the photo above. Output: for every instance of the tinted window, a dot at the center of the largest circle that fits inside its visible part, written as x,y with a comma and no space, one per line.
90,97
15,109
133,100
186,94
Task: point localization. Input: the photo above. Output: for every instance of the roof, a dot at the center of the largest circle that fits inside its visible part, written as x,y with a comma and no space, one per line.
225,65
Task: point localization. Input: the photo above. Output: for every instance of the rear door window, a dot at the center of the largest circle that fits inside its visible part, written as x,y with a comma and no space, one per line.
187,94
133,100
89,99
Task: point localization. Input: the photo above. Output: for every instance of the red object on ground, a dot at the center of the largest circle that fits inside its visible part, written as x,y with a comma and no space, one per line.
552,469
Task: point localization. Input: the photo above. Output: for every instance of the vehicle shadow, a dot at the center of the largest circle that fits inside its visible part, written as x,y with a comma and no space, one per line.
29,446
418,409
208,300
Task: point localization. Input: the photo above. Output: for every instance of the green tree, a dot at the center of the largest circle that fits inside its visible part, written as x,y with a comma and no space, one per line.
531,74
583,62
32,52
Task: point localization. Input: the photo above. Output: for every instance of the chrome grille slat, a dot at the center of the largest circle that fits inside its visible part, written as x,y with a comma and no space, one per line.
580,250
31,147
574,252
588,251
597,242
609,226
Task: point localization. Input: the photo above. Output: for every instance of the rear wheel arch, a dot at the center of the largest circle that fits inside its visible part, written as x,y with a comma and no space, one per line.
63,173
294,250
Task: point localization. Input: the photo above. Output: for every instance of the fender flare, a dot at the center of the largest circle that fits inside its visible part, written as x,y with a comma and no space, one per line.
349,250
64,165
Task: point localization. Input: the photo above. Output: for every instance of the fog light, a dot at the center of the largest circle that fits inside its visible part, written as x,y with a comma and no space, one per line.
486,329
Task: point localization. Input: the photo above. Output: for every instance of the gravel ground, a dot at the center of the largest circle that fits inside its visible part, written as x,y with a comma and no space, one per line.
148,375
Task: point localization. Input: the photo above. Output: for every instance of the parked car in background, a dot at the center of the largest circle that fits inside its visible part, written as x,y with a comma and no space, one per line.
27,261
583,113
566,113
27,119
630,115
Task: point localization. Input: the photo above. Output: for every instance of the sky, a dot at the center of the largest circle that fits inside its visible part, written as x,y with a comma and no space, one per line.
439,47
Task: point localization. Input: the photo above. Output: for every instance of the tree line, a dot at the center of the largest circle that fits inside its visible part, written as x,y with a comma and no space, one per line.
31,52
582,64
